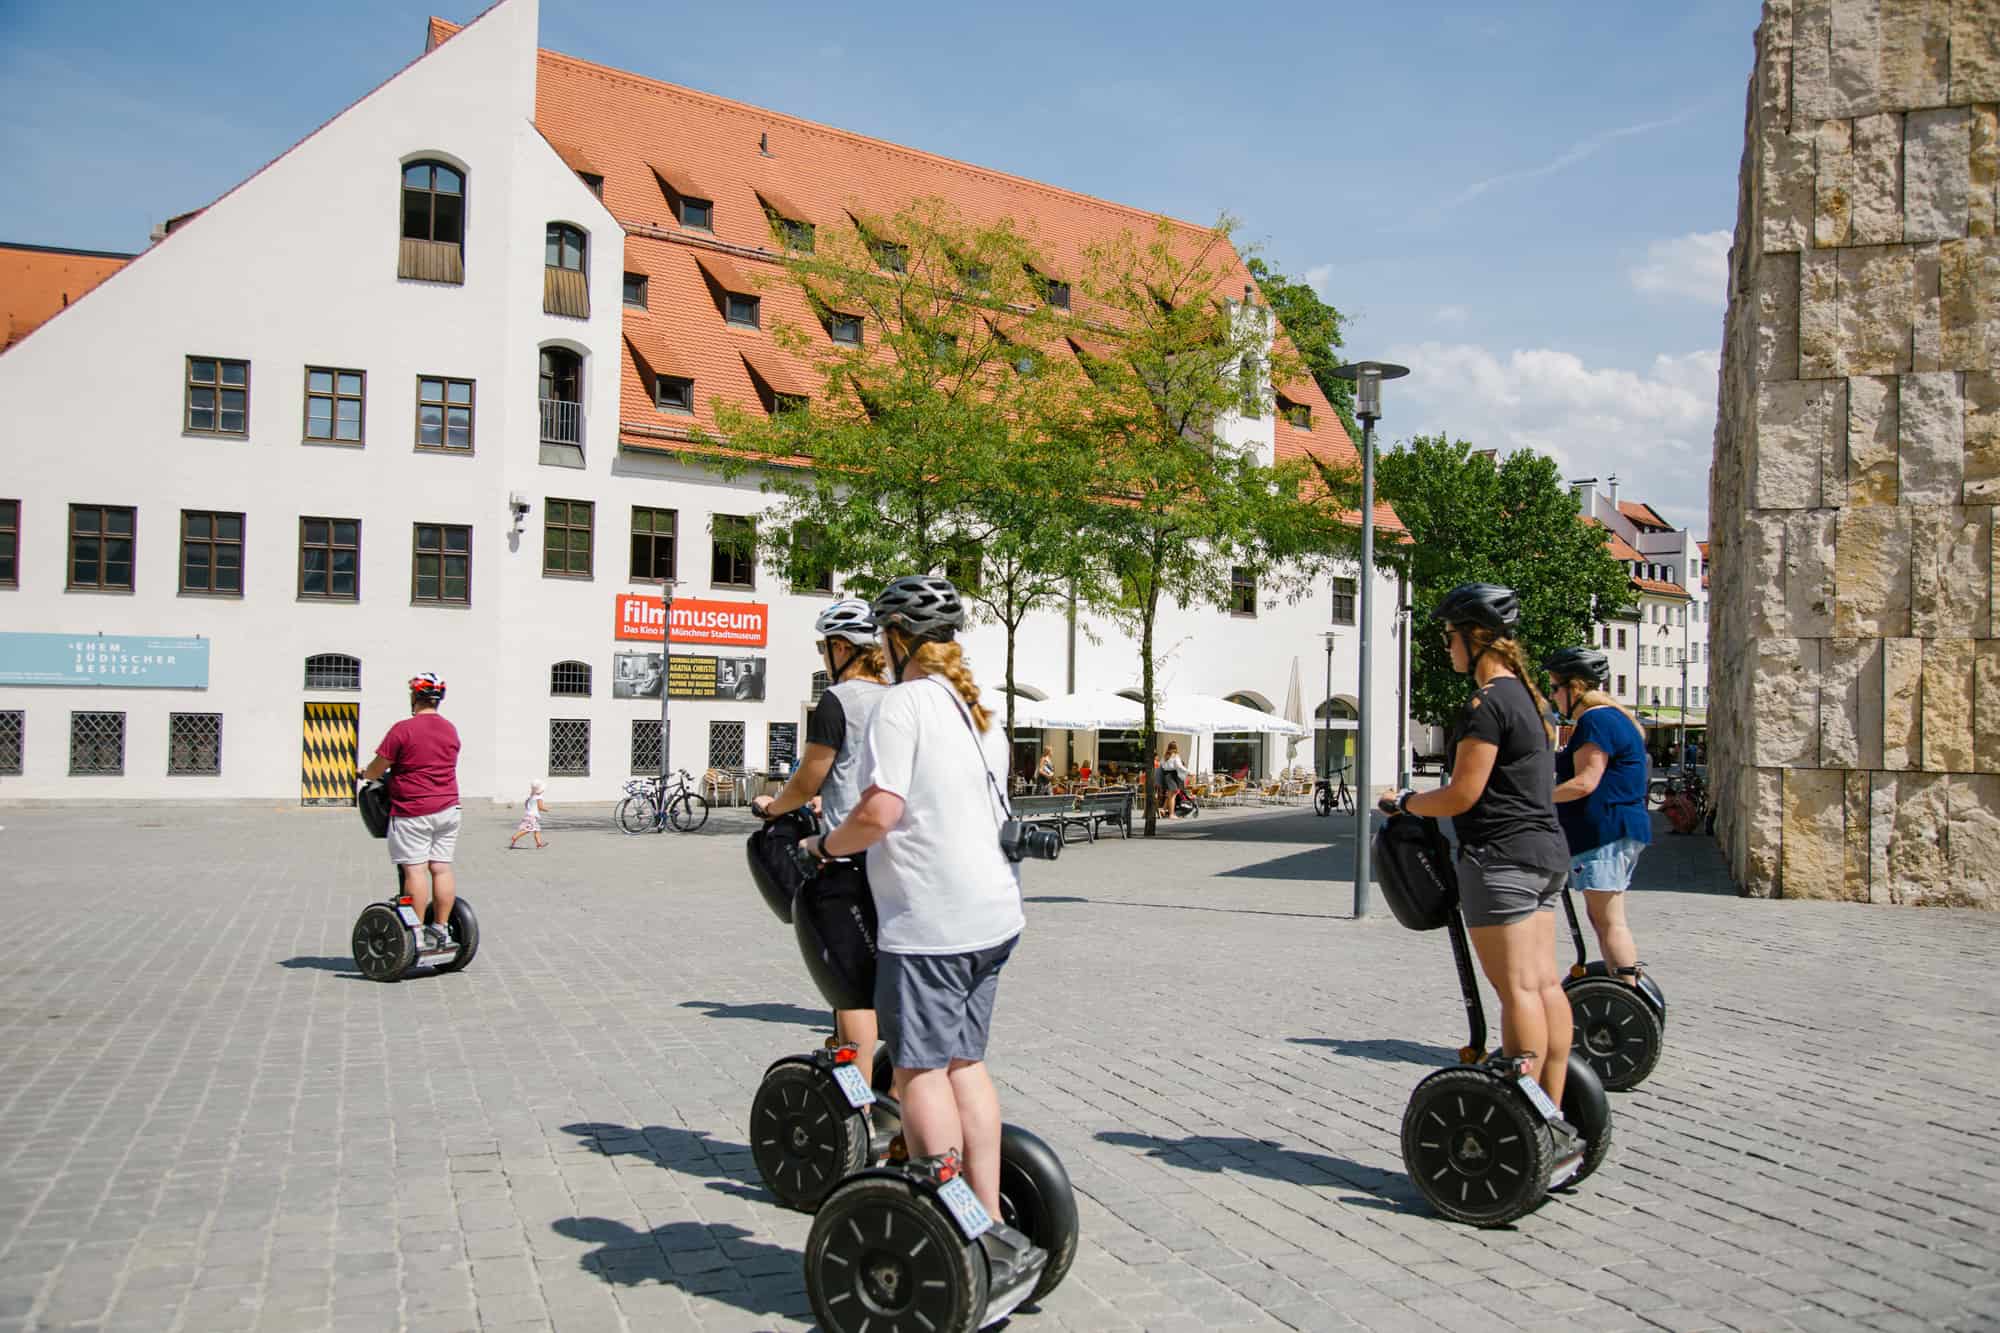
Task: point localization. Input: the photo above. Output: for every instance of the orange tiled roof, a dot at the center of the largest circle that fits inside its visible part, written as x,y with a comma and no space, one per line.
1643,515
1621,550
1659,587
37,282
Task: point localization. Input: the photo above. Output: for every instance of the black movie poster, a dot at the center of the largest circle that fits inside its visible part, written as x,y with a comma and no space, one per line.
637,676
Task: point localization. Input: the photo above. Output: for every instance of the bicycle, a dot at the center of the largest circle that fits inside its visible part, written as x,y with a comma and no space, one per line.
1328,798
649,806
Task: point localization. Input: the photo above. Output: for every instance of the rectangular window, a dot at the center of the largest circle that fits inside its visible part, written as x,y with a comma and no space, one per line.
1242,592
333,404
1298,414
13,732
1344,597
10,543
742,310
635,290
674,394
725,745
211,552
566,529
194,744
733,558
569,747
444,413
652,545
889,256
799,237
1056,293
330,559
1621,685
570,678
100,547
441,564
218,396
698,213
96,744
807,563
1621,637
844,328
645,745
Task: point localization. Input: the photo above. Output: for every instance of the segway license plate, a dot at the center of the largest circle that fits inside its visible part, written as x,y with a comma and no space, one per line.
1539,1098
409,915
967,1213
859,1094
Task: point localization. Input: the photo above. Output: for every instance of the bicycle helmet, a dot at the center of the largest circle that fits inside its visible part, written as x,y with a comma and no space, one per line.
1487,605
923,606
428,686
1585,664
848,619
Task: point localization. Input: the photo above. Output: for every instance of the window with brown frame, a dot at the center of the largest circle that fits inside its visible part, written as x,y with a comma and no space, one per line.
1242,592
10,543
565,283
100,547
653,544
333,404
1346,592
433,244
444,414
635,290
566,532
330,559
218,396
671,393
211,552
440,564
733,555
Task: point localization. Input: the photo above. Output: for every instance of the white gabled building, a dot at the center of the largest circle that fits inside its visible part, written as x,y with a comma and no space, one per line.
409,399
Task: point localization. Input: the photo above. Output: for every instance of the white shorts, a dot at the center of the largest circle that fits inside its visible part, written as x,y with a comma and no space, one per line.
415,839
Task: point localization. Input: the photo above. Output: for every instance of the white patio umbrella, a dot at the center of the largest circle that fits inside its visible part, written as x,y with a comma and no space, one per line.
1204,714
1089,710
1295,713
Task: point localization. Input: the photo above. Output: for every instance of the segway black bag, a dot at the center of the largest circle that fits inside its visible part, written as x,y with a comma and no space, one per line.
1413,866
373,801
772,867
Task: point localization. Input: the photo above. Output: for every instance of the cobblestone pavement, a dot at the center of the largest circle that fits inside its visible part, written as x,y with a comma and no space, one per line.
209,1122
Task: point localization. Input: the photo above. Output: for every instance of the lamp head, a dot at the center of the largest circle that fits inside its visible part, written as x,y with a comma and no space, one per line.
1367,377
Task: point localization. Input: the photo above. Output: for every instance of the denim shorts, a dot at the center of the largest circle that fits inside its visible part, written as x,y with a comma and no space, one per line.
1607,869
936,1008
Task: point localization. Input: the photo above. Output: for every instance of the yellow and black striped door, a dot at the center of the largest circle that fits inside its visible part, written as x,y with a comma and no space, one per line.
333,731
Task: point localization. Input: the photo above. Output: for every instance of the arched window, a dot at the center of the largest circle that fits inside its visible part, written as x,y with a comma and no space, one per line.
1333,735
333,671
565,289
572,678
433,223
562,397
565,247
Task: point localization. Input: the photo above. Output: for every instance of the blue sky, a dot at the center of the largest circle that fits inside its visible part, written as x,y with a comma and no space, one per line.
1528,204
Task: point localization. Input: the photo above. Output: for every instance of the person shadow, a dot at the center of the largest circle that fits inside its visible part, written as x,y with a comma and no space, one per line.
1217,1153
341,967
688,1152
1388,1050
693,1256
764,1013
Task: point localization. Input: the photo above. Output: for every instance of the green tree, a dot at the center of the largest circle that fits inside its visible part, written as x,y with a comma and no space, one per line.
1511,522
1315,328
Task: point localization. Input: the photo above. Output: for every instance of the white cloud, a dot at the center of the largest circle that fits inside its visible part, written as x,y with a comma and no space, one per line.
1695,266
1318,276
1654,428
1451,316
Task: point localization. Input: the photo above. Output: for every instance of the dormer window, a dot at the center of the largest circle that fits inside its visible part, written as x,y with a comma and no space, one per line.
1056,294
799,237
593,182
843,328
890,256
698,214
1298,414
730,289
741,310
692,205
674,394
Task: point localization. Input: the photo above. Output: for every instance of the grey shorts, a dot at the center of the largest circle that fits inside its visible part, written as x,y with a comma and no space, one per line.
1492,892
414,839
936,1008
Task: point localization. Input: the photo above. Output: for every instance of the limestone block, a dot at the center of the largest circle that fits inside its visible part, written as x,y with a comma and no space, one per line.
1937,182
1969,302
1818,315
1930,439
1871,575
1871,441
1902,685
1812,61
1764,547
1777,320
1774,62
1981,433
1975,52
1799,424
1926,308
1876,301
1972,839
1917,870
1850,703
1854,861
1883,788
1784,704
1833,183
1815,833
1986,706
1785,190
1889,53
1875,180
1947,705
1810,535
1951,562
1764,832
1982,208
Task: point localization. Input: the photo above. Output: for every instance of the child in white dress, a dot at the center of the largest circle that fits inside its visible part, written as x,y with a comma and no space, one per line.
532,811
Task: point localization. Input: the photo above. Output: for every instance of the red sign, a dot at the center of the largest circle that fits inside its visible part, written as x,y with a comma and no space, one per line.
737,624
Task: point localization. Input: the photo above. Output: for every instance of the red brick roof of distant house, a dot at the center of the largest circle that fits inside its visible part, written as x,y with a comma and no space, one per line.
1644,515
37,282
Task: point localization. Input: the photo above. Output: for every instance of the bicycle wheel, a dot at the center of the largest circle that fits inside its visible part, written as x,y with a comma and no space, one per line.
636,815
688,812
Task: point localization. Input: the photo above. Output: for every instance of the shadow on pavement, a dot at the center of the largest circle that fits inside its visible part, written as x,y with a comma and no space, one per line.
1325,864
1214,1153
629,1257
1385,1049
343,967
688,1151
1188,907
763,1013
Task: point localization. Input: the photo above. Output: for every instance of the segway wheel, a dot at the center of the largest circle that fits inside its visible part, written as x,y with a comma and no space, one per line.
1616,1030
1036,1200
1322,801
804,1136
464,929
1588,1111
1476,1148
384,948
688,812
879,1256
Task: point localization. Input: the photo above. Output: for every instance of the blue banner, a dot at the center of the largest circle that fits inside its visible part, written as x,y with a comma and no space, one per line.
130,661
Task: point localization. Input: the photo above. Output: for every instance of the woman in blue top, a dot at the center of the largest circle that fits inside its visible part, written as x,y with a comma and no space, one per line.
1600,798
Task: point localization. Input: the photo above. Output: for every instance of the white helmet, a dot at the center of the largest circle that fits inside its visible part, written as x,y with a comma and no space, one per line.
848,619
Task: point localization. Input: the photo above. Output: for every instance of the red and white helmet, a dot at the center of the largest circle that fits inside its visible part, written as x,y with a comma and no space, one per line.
428,686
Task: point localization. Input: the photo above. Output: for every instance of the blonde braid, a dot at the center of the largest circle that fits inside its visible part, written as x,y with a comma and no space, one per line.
872,663
1510,654
1589,694
948,660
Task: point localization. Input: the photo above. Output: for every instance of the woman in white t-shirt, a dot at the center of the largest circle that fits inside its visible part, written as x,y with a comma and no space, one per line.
947,900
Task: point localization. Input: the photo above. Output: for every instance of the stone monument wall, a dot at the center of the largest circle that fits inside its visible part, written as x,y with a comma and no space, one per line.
1855,575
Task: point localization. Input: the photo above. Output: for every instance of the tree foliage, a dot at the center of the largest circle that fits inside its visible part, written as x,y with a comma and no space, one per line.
1511,522
1316,329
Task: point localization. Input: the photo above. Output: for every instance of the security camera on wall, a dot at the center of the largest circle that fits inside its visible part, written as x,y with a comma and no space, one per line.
519,504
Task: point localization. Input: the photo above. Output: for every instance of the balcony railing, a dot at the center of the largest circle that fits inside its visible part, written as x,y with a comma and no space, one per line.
562,422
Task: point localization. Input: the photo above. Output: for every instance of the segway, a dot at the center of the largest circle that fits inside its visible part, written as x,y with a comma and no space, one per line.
388,940
1620,1028
894,1238
1481,1139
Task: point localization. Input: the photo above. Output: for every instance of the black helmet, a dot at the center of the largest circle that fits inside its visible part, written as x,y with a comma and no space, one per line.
1585,664
1487,605
923,606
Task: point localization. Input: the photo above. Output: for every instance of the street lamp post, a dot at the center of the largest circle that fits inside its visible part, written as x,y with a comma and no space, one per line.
1367,377
666,675
1403,614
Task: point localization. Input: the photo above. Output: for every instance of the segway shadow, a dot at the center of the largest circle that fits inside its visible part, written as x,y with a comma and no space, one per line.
1620,1028
388,939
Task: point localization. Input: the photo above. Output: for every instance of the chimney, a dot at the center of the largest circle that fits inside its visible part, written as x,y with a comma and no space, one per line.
764,144
1249,294
1612,481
